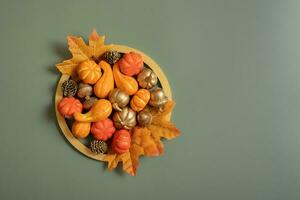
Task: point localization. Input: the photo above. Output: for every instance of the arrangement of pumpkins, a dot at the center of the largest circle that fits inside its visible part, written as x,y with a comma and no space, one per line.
109,99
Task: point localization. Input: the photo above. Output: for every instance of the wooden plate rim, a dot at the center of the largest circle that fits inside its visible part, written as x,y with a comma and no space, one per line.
58,96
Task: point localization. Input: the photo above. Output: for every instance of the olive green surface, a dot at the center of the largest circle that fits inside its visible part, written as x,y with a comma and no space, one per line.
234,69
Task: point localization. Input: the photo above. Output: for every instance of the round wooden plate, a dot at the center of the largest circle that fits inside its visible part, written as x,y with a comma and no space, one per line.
58,96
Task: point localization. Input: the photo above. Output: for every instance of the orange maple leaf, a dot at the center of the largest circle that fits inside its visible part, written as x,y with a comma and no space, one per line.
81,52
146,140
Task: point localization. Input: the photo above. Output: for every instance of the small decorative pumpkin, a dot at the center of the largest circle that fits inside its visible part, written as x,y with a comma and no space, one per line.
103,129
118,99
125,118
89,72
131,63
81,129
106,83
101,109
140,100
98,146
121,141
144,118
158,98
89,102
125,83
84,90
147,78
68,106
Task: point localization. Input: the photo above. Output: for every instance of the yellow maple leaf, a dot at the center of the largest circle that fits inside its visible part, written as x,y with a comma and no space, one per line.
96,44
81,51
67,66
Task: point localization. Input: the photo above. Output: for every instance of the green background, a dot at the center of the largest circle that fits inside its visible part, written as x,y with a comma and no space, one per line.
234,70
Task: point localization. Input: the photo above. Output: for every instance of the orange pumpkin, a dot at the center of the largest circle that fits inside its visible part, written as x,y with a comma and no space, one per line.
81,129
89,72
121,141
131,63
68,106
103,129
140,100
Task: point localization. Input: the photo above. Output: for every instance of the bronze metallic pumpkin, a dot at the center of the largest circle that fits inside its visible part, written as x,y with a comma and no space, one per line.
118,99
147,78
125,118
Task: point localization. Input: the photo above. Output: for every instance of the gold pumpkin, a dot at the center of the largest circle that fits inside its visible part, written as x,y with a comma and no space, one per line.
140,100
125,118
89,72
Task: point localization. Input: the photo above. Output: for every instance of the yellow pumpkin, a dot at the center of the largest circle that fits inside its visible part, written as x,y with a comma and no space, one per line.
125,83
100,110
89,72
106,83
140,100
81,129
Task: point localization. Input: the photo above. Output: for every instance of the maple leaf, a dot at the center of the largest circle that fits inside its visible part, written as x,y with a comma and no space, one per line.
66,67
129,160
141,144
161,126
81,51
78,48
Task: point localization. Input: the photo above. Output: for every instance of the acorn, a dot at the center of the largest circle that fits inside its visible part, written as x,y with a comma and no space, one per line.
98,146
144,118
112,57
84,90
69,88
88,103
158,98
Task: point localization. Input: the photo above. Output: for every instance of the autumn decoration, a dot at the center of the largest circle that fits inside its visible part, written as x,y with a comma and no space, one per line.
117,100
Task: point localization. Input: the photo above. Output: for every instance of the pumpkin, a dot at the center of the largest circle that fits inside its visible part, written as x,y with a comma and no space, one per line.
106,83
140,100
125,83
103,129
81,129
121,141
100,110
68,106
118,99
147,78
89,72
125,118
131,63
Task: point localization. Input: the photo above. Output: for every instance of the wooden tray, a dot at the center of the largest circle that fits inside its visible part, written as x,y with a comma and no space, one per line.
58,96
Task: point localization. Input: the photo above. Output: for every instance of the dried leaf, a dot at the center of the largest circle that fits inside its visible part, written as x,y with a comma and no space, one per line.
161,126
78,48
67,67
142,136
96,44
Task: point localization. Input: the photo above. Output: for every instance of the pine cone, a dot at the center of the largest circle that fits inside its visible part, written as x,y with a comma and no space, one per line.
98,146
69,88
112,57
